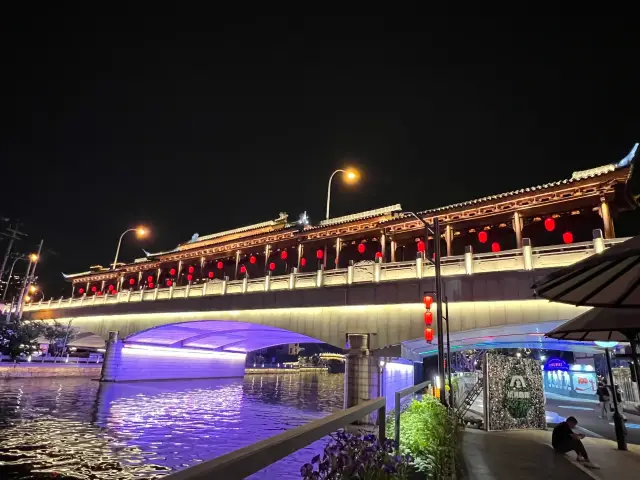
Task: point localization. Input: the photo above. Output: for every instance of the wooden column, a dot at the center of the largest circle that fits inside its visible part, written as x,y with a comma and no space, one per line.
517,227
383,246
448,237
338,248
394,246
235,275
300,254
605,213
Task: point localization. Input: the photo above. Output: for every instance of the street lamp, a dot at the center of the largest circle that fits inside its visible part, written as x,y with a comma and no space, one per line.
140,232
350,176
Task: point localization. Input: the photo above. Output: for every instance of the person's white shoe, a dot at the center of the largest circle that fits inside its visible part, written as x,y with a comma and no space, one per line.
592,465
580,458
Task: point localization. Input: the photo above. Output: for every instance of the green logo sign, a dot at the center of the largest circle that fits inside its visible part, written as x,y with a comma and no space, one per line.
517,397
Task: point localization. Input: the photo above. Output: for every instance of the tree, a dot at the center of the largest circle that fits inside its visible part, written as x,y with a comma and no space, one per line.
19,337
57,333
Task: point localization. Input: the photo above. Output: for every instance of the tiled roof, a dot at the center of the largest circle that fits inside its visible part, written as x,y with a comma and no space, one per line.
577,176
270,223
357,216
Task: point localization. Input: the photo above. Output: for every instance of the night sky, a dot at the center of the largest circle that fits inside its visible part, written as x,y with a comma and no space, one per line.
195,122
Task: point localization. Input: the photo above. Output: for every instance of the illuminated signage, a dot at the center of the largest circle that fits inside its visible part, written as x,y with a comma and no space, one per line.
556,364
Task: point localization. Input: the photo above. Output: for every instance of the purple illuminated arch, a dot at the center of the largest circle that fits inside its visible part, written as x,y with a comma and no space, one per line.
218,335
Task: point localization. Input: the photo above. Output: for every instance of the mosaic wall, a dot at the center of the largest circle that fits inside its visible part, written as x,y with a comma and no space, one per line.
515,393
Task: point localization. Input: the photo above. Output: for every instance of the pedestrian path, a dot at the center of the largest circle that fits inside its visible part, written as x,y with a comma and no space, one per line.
528,454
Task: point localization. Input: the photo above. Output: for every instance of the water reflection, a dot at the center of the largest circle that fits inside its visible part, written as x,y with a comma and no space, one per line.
78,428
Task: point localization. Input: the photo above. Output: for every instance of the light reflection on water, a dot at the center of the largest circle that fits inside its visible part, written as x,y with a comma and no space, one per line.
78,428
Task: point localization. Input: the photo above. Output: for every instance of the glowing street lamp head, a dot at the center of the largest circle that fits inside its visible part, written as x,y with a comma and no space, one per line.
33,289
33,257
27,298
351,175
141,231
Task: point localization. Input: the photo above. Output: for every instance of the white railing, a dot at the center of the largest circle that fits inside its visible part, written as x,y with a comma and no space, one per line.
510,260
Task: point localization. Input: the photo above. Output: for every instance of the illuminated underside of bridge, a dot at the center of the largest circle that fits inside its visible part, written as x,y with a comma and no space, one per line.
221,336
529,336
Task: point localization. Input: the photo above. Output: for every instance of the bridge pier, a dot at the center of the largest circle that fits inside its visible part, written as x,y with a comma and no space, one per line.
361,375
134,362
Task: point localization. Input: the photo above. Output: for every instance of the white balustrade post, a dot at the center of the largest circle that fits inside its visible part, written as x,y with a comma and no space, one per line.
93,300
350,269
204,288
267,282
82,299
377,272
171,290
292,278
129,296
155,293
186,295
527,256
49,304
320,276
223,290
245,284
468,260
60,302
419,265
598,241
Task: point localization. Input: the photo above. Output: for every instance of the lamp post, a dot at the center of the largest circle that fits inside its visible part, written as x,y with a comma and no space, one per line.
350,175
140,231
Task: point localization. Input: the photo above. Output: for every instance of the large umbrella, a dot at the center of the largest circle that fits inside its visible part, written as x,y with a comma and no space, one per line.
607,279
605,324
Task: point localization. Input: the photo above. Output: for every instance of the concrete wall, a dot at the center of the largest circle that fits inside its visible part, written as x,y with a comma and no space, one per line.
389,324
24,371
126,363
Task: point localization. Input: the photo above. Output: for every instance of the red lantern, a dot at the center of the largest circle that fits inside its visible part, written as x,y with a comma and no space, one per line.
150,279
111,287
99,293
428,301
378,254
191,269
172,272
567,237
210,274
428,335
319,254
132,281
220,265
495,247
549,224
428,318
252,259
243,269
361,248
421,246
483,237
169,283
272,266
94,289
189,277
284,254
303,262
150,284
81,290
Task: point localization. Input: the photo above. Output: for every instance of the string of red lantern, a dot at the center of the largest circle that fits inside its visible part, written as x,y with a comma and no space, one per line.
81,290
150,284
567,237
220,265
495,247
272,266
421,246
94,289
172,272
378,254
361,248
243,269
252,259
483,237
191,269
303,262
210,274
319,254
284,254
150,279
169,283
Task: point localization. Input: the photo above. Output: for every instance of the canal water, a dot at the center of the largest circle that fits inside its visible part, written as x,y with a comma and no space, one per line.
80,429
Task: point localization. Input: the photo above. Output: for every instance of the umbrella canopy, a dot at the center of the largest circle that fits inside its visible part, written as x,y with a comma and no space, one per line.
604,324
608,279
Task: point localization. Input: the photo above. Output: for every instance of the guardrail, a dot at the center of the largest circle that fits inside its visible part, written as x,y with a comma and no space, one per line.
253,458
526,258
400,394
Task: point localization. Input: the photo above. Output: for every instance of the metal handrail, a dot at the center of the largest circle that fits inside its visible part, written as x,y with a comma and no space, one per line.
250,459
400,394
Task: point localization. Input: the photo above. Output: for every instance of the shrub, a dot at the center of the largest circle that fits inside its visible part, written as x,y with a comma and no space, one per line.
428,435
349,456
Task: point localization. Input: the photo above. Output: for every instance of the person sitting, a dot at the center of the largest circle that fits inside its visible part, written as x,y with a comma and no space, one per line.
564,440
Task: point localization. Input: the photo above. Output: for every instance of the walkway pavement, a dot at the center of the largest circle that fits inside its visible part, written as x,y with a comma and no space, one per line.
528,454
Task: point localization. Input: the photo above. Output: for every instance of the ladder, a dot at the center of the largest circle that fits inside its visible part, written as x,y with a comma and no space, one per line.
469,399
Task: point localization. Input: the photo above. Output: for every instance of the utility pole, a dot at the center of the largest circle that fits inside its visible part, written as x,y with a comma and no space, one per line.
12,234
28,279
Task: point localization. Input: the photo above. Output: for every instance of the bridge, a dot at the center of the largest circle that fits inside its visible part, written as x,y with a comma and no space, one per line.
354,282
